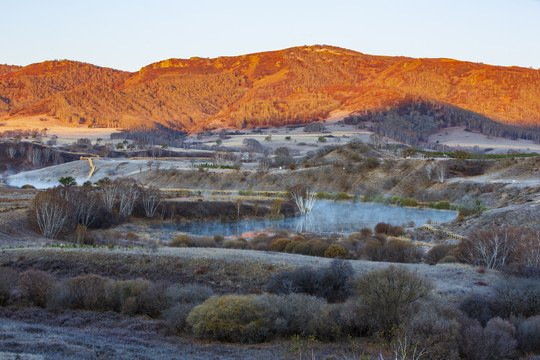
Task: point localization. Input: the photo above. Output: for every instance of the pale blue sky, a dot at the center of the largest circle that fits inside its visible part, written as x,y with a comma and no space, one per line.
127,35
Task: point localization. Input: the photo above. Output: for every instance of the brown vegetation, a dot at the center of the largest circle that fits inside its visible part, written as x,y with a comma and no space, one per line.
295,85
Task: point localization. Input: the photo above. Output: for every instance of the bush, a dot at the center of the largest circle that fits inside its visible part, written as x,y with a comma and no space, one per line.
393,250
121,294
279,245
528,334
479,308
495,342
298,314
35,285
335,251
231,318
518,296
151,301
176,316
205,242
191,293
384,228
441,205
234,244
436,329
182,299
86,292
372,163
438,252
330,282
341,196
402,251
182,241
8,283
410,202
388,295
317,248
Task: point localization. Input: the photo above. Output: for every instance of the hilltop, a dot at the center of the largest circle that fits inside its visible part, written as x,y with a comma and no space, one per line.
295,85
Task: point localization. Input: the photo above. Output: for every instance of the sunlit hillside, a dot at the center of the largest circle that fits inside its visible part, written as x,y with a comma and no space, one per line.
294,85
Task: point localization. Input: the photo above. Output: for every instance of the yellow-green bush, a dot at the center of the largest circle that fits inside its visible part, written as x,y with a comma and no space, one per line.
232,318
279,245
335,251
182,241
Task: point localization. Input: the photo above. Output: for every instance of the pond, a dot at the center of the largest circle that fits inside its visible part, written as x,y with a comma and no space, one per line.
325,218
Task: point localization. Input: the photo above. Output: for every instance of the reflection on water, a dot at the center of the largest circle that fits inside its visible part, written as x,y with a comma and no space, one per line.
326,217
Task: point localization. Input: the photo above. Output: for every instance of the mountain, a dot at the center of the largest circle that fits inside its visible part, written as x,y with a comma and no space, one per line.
295,85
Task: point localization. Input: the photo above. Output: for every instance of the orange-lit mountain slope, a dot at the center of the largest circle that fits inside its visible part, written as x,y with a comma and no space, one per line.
271,88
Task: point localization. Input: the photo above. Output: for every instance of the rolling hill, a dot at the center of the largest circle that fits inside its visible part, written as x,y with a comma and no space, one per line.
294,85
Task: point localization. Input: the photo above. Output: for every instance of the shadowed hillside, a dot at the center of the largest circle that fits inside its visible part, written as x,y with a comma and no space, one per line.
294,85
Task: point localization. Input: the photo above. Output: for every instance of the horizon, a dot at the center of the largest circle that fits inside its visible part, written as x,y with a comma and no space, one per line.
265,51
129,36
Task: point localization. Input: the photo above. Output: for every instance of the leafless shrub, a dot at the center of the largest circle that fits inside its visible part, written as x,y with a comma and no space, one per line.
86,292
302,197
528,334
108,192
35,285
51,212
151,199
128,193
493,249
11,151
264,166
388,295
85,204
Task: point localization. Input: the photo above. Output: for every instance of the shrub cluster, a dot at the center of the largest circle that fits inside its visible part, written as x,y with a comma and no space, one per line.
257,318
331,283
392,301
388,229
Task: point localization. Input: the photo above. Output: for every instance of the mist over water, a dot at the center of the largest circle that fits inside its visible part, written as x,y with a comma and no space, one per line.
326,217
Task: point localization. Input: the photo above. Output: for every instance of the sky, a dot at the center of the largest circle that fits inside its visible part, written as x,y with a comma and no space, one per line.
128,35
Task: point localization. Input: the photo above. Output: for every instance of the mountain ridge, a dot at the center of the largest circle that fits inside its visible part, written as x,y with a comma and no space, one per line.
289,86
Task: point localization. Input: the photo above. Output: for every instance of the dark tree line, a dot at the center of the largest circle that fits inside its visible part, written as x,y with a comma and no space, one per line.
414,120
156,136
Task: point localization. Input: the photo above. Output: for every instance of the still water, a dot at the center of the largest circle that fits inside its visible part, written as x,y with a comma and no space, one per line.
326,217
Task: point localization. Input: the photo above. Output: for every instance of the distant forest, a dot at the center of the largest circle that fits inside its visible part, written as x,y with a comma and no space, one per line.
414,120
159,135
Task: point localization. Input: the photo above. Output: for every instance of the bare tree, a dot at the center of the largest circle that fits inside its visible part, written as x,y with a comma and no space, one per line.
429,170
35,157
56,157
302,197
376,141
149,164
47,152
84,204
222,157
264,165
108,191
11,151
151,199
492,248
51,212
440,170
128,193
